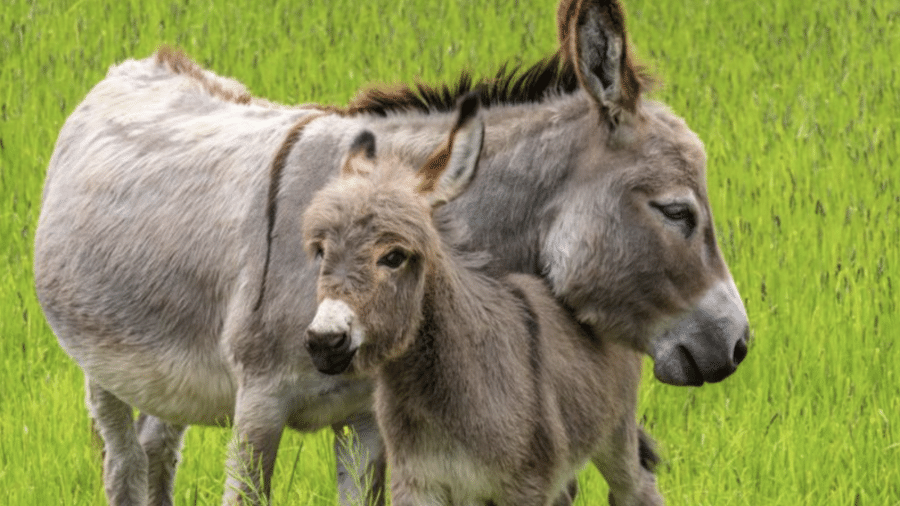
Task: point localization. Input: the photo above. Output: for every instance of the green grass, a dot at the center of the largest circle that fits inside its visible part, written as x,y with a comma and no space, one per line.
797,103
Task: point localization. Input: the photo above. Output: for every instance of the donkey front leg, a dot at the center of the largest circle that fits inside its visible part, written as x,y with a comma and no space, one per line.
125,463
361,466
259,421
161,442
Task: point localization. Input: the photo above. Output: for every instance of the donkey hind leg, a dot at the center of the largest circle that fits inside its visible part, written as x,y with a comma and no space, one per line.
361,466
628,470
125,463
161,442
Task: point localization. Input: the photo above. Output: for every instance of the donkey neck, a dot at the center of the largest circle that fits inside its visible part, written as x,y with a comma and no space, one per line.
527,160
469,319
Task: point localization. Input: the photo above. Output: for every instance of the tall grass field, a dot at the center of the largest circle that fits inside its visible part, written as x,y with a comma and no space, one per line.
798,105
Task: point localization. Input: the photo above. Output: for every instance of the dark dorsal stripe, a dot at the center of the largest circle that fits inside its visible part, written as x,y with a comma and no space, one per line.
180,63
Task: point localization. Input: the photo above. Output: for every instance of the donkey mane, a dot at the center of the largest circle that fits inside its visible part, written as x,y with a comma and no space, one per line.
509,86
179,63
554,74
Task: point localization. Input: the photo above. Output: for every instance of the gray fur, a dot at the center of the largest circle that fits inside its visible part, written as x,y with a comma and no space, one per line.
158,271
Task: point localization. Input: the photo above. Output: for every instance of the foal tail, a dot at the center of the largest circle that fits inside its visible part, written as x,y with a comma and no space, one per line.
647,451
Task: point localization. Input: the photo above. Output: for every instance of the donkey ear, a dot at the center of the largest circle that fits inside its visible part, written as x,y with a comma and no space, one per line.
593,34
449,170
360,160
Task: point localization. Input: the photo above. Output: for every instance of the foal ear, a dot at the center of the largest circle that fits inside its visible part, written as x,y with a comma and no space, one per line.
450,169
593,36
360,160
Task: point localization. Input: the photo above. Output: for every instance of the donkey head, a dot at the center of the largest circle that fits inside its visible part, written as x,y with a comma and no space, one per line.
372,233
631,245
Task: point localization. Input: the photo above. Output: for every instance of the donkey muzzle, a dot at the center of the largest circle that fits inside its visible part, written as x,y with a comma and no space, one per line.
708,344
330,352
331,338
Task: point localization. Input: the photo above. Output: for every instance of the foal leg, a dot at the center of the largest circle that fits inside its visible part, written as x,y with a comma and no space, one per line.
361,467
567,496
125,463
627,468
161,442
526,498
531,488
410,491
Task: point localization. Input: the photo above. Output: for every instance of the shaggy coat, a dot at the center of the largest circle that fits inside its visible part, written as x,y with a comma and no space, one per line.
487,391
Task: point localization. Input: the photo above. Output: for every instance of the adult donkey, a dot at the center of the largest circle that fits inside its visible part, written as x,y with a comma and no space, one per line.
169,263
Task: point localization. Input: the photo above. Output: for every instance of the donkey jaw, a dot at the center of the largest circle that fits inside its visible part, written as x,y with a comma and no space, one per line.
707,344
333,337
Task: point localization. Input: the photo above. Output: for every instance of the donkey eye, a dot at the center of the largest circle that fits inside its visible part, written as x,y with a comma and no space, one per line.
393,259
681,213
318,251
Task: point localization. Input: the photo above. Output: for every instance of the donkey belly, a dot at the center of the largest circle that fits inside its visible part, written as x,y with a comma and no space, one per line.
183,386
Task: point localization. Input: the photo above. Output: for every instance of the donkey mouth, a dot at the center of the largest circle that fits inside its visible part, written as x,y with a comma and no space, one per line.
707,344
680,368
689,368
332,363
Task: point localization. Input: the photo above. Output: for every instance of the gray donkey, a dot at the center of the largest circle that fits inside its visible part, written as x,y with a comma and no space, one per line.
487,390
169,261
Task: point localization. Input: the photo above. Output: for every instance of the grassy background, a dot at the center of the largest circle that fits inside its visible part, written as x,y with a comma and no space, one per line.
797,103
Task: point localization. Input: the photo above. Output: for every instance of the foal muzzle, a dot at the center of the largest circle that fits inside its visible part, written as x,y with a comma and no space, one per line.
330,352
333,337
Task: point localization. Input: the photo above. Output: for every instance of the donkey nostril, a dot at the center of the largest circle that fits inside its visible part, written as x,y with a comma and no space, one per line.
330,341
339,341
330,351
740,350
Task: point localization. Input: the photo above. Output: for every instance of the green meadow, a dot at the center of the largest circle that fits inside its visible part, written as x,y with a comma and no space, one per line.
796,101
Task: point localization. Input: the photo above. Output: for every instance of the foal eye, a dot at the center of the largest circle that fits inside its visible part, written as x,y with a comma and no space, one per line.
681,213
393,259
319,252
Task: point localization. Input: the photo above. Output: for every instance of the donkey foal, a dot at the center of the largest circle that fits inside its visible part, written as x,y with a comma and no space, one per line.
487,390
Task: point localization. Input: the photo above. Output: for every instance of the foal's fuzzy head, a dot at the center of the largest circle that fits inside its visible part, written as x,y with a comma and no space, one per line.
371,231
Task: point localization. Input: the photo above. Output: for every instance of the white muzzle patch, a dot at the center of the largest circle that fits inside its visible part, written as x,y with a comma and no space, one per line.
336,317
